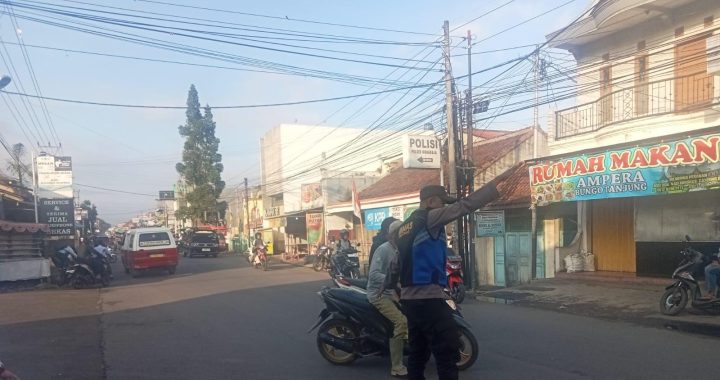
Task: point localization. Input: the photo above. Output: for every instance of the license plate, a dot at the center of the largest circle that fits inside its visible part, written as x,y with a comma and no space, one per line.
157,255
206,249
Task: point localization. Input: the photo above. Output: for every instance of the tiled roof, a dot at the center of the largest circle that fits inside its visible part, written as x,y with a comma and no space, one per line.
515,189
401,181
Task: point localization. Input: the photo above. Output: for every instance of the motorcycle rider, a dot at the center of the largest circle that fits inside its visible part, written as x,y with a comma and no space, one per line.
257,245
381,237
103,254
385,300
344,242
422,255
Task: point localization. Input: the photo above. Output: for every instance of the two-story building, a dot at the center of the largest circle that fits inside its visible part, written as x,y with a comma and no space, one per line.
638,157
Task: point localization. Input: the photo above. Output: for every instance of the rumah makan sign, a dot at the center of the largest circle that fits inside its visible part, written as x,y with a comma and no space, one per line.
665,168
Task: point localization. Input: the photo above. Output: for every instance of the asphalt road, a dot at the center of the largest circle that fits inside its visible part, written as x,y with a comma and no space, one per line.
220,319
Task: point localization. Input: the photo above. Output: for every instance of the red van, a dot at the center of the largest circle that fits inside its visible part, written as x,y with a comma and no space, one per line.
147,248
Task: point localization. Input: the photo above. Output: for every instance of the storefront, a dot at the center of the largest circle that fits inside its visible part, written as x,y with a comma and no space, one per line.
637,203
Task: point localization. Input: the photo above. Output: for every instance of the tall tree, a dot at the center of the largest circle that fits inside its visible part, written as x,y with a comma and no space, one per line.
201,165
15,164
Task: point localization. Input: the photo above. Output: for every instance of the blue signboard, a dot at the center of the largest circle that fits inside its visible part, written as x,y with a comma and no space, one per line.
374,217
664,168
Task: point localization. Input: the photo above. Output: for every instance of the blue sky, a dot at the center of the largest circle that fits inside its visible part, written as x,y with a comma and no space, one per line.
135,150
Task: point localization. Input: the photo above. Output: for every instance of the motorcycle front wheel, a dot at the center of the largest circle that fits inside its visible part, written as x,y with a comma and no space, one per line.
342,329
673,301
468,349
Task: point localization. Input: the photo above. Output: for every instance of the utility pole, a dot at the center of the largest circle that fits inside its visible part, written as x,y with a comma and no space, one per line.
35,187
247,211
470,271
452,134
533,208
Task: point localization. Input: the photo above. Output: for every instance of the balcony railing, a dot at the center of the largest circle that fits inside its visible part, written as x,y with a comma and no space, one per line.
684,94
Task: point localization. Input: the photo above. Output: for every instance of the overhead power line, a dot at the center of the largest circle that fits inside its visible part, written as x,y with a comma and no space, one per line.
119,105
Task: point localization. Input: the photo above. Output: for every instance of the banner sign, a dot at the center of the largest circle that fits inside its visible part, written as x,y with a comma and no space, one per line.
59,215
490,223
314,227
664,168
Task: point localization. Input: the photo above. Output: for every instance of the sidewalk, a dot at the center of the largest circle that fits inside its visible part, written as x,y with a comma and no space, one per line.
634,300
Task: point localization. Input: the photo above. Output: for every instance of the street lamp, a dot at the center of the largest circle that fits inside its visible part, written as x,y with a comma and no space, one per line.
4,81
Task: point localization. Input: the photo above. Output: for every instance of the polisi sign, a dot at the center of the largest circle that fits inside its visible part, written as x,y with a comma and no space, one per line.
421,151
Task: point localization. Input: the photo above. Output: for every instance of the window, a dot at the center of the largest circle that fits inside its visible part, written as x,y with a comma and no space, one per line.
154,239
693,86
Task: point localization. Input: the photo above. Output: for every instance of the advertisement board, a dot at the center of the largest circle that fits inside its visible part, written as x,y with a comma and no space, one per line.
672,167
59,215
314,227
373,217
310,195
55,177
166,195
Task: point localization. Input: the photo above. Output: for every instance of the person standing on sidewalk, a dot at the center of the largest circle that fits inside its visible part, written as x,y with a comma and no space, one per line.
422,250
385,300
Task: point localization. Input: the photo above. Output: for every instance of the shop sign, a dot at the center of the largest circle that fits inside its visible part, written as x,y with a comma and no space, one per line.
59,215
314,227
421,151
490,223
374,218
666,168
273,212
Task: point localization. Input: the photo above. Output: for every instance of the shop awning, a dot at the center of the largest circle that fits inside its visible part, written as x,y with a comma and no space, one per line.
7,226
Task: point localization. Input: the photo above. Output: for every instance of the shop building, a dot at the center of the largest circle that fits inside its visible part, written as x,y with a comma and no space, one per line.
638,156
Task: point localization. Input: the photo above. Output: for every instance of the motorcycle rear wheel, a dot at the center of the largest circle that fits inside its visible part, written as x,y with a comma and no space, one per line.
468,349
341,329
458,293
673,301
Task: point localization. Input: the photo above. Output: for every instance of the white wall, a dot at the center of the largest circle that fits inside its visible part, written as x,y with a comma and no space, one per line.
659,36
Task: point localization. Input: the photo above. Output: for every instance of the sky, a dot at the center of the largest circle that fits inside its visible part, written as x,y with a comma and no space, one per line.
135,150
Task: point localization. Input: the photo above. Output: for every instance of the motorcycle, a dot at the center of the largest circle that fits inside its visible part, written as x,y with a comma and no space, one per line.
345,263
456,286
261,259
63,260
89,271
676,296
322,258
350,328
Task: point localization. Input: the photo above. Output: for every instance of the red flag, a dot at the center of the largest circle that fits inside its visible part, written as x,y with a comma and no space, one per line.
356,202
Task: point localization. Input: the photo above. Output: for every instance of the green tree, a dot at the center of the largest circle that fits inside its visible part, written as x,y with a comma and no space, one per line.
201,165
15,164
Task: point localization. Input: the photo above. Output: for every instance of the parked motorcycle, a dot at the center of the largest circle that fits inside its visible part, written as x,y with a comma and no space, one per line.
63,260
351,328
322,258
456,285
90,271
345,263
676,296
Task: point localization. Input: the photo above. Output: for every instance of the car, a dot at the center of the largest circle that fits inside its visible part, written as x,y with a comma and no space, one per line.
148,248
202,243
